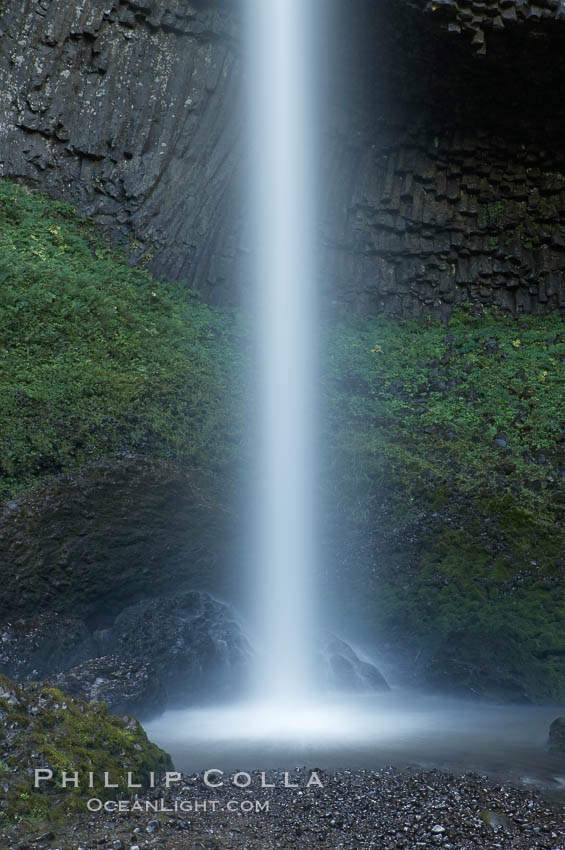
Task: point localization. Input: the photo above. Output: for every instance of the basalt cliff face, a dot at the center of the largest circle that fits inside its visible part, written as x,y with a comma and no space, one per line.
479,18
450,187
128,108
442,156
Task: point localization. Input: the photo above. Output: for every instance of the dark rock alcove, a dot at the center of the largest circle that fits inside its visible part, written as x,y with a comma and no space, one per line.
444,166
441,160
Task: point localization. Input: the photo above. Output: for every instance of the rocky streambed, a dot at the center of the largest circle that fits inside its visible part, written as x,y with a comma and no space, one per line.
387,808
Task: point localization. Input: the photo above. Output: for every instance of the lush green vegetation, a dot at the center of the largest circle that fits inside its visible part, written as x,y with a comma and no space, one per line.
433,401
96,358
445,444
460,431
42,728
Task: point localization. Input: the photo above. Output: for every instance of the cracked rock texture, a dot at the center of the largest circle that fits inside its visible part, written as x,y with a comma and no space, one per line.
479,17
442,158
127,108
444,169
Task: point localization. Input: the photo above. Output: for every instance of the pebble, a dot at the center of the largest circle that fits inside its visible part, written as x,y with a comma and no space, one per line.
385,809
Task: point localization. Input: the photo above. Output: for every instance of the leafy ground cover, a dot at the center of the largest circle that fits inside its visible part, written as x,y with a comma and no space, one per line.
477,402
443,445
98,359
448,446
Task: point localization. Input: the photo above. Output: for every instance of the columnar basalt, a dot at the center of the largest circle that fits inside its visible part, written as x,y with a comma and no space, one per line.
431,224
128,108
479,18
443,167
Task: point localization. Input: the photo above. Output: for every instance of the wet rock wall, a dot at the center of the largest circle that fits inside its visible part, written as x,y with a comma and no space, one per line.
441,157
445,168
128,109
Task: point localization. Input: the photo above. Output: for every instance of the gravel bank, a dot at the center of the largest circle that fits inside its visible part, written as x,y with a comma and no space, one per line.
383,809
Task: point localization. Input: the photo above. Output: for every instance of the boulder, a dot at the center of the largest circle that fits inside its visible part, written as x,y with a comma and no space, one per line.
41,727
194,641
40,646
185,647
557,735
126,686
89,543
345,671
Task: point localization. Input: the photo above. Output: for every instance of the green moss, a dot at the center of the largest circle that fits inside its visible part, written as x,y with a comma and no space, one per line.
495,210
471,532
416,401
452,579
98,359
42,728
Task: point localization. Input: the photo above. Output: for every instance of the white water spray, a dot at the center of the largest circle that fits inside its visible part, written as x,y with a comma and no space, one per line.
284,724
283,143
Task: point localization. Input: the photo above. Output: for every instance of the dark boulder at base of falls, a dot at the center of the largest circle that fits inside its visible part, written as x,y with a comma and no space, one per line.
179,648
127,687
557,735
36,647
343,670
194,641
90,543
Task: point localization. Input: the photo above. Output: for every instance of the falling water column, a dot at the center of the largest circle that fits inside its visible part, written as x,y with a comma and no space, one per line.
282,125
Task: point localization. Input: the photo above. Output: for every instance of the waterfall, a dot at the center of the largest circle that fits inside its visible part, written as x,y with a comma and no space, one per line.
288,709
282,186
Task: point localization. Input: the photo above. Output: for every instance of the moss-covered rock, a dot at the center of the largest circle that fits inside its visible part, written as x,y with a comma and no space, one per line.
92,542
447,443
557,735
40,727
460,601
